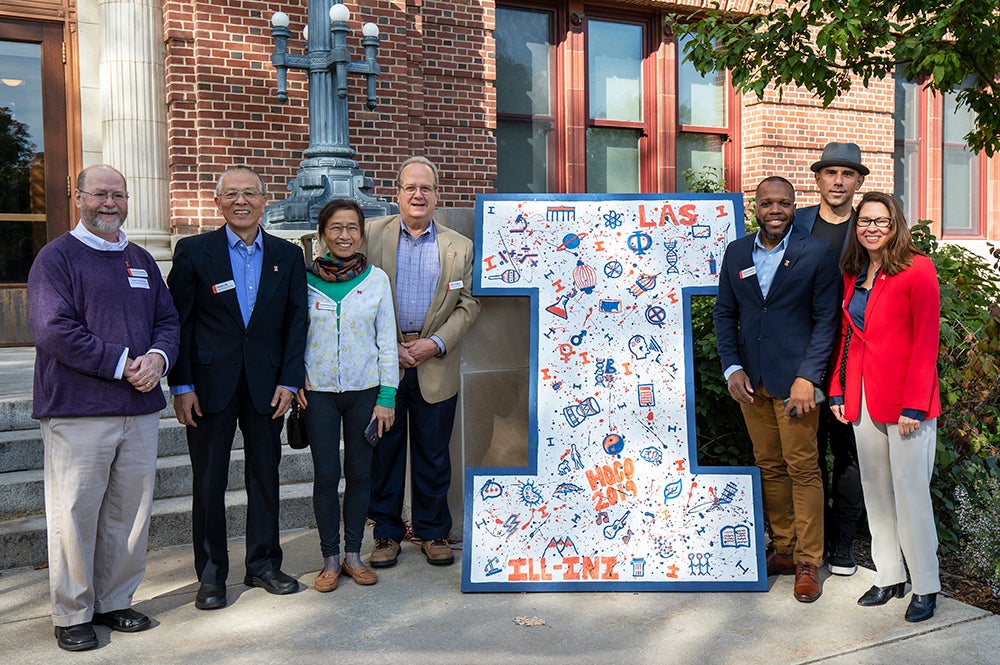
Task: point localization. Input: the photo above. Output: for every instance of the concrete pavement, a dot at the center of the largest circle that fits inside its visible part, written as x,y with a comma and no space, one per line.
417,614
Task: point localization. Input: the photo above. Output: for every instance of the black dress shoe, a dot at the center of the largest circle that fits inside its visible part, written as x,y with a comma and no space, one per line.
921,607
127,620
880,595
273,581
210,597
76,638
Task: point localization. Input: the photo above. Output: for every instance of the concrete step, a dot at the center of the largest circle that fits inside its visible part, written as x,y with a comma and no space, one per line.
22,450
22,493
23,540
15,412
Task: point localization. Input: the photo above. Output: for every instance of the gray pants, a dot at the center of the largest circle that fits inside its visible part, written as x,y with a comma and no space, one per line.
896,478
99,476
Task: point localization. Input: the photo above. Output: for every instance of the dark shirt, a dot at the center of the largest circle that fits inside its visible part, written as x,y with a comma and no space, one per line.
835,234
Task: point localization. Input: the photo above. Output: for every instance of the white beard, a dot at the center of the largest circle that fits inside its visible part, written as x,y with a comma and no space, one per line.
105,227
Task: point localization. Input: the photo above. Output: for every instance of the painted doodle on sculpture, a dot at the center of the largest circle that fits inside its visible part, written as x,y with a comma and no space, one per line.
612,498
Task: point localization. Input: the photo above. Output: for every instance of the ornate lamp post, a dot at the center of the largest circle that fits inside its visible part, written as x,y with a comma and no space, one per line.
329,169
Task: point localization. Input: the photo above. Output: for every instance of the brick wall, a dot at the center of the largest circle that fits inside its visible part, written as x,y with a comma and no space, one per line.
783,135
436,98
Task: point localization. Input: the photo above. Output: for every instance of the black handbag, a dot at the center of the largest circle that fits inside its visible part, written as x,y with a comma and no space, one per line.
295,428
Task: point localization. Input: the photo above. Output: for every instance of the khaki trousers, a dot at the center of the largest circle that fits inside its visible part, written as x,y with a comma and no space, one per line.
99,476
785,449
896,479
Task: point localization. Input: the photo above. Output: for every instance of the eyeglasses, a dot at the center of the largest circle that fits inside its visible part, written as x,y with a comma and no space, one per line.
233,194
425,190
879,222
117,197
336,229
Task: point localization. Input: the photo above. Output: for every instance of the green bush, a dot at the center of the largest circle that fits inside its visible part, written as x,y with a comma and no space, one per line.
968,440
979,518
720,430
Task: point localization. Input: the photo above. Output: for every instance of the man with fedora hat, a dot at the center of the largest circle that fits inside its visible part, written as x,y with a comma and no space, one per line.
839,175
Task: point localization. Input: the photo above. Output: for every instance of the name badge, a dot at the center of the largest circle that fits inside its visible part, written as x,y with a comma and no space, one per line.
748,272
138,282
224,286
453,286
137,272
326,306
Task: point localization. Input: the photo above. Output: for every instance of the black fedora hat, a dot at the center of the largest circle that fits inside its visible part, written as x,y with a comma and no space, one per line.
841,154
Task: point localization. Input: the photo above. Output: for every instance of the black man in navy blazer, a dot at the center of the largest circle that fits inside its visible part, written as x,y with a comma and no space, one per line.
775,323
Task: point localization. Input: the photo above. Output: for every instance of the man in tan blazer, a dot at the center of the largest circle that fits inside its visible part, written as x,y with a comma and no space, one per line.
430,271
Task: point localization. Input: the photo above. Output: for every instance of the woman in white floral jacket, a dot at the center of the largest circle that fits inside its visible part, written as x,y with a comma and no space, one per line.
351,378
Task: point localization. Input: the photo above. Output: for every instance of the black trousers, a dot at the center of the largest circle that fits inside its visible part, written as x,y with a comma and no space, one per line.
323,419
428,427
842,493
210,445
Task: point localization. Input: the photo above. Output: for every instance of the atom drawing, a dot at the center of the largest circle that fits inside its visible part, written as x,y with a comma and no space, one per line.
612,219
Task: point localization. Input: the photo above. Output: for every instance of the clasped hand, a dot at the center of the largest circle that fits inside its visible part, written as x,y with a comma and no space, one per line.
416,352
144,372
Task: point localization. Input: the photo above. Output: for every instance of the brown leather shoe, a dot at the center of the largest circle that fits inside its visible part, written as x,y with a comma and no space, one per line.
438,552
363,575
807,587
779,564
327,580
385,553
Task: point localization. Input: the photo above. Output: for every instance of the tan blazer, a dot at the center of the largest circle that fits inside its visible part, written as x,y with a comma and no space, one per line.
451,311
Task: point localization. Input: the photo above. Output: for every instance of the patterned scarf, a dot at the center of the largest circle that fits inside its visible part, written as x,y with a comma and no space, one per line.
333,269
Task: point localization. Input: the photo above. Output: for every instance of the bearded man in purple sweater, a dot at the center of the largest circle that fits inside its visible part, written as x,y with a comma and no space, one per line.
105,332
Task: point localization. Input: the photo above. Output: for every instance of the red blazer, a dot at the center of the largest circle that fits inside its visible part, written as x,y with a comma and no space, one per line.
897,351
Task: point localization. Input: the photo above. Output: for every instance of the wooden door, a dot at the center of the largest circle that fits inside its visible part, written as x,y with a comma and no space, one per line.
34,185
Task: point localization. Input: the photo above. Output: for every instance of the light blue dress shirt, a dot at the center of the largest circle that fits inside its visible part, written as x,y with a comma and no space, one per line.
246,261
418,268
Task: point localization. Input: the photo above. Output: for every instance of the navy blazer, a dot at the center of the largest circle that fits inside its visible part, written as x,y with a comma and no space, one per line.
790,334
215,345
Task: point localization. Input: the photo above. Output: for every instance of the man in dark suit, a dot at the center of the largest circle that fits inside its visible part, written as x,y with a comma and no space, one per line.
775,322
241,296
839,175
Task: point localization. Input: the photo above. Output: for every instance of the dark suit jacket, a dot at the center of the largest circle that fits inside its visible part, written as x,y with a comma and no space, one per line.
215,345
790,334
805,219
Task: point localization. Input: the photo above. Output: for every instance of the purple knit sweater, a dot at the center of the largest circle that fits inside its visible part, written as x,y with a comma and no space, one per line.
83,313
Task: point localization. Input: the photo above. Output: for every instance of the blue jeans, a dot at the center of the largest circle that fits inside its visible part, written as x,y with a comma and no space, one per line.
323,419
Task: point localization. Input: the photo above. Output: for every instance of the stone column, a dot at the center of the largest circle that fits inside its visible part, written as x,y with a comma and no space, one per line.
134,115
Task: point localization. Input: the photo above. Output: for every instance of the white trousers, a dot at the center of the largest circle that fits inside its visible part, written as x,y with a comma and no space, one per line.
99,475
896,478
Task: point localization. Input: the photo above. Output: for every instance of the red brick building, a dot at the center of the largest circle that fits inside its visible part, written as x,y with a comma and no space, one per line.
560,96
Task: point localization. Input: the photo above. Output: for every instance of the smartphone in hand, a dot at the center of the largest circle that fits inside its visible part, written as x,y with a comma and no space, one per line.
819,397
371,433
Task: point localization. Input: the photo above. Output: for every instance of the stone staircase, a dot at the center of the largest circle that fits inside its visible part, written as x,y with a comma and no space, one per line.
22,497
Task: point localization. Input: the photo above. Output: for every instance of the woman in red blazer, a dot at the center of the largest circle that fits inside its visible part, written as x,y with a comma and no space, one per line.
885,382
